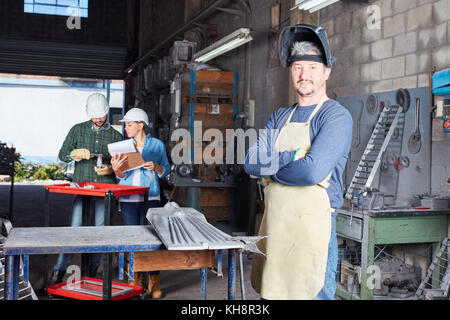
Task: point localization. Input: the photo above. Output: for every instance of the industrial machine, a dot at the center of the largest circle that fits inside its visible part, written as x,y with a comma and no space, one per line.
192,105
205,102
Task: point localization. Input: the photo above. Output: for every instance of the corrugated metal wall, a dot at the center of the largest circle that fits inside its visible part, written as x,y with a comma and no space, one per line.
44,44
58,59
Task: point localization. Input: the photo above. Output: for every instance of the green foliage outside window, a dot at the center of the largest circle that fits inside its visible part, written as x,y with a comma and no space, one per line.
30,171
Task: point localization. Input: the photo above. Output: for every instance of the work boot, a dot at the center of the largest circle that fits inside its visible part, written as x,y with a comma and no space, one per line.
154,287
56,277
138,278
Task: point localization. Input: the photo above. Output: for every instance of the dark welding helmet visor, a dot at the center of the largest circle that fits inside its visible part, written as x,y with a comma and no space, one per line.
304,32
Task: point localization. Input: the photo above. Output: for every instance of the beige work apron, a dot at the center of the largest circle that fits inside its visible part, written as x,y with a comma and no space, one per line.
297,221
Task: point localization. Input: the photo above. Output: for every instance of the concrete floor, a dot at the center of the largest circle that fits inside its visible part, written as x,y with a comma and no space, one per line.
28,210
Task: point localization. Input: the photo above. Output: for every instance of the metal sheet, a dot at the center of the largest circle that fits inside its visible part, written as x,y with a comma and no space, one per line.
187,229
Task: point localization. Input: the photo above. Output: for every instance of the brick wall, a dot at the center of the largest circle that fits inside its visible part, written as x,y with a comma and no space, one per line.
412,38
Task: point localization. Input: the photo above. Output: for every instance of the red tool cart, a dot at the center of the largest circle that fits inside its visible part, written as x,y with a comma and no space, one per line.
92,289
89,189
86,190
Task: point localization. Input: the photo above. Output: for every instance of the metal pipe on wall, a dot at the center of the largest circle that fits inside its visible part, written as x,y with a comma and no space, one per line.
202,15
248,52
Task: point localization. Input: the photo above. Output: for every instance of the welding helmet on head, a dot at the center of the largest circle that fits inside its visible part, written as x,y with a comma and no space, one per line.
136,115
97,106
304,32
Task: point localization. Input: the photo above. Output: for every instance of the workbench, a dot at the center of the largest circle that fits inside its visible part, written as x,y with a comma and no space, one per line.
86,191
390,226
145,253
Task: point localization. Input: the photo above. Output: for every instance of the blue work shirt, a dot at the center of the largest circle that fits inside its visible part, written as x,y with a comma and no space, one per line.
331,136
154,150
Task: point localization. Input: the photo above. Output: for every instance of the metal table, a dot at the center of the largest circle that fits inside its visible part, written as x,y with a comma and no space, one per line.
392,226
108,240
86,191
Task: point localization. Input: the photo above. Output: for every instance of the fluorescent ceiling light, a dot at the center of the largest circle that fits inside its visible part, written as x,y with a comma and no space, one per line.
230,42
323,5
310,4
313,5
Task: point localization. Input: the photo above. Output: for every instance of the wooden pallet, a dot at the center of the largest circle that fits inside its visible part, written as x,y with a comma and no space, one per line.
209,97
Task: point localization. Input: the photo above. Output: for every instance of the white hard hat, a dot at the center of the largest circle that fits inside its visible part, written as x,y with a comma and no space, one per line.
97,106
136,115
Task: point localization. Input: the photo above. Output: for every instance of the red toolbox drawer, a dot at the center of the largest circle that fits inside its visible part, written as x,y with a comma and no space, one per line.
92,289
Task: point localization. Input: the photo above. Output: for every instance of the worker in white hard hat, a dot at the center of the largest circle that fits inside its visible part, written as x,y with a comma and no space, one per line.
308,145
156,167
84,142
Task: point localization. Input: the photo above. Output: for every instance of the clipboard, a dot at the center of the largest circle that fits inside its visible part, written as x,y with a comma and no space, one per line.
127,148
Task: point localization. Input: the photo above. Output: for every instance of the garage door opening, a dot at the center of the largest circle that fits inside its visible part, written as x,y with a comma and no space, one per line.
37,112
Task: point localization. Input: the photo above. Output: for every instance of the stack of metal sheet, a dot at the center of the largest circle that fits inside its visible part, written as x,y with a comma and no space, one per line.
187,229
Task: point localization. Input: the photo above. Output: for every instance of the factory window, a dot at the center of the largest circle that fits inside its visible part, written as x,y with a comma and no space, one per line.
71,8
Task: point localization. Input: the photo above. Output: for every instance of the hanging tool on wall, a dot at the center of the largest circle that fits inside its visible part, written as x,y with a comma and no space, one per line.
372,104
403,99
357,133
415,141
376,146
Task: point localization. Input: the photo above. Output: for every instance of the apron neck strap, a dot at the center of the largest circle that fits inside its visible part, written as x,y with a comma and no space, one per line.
316,109
290,116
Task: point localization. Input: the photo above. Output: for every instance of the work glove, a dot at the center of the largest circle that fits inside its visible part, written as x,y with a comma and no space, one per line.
80,154
105,170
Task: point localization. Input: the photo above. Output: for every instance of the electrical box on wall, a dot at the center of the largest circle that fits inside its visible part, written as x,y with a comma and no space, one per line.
182,52
446,115
441,91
